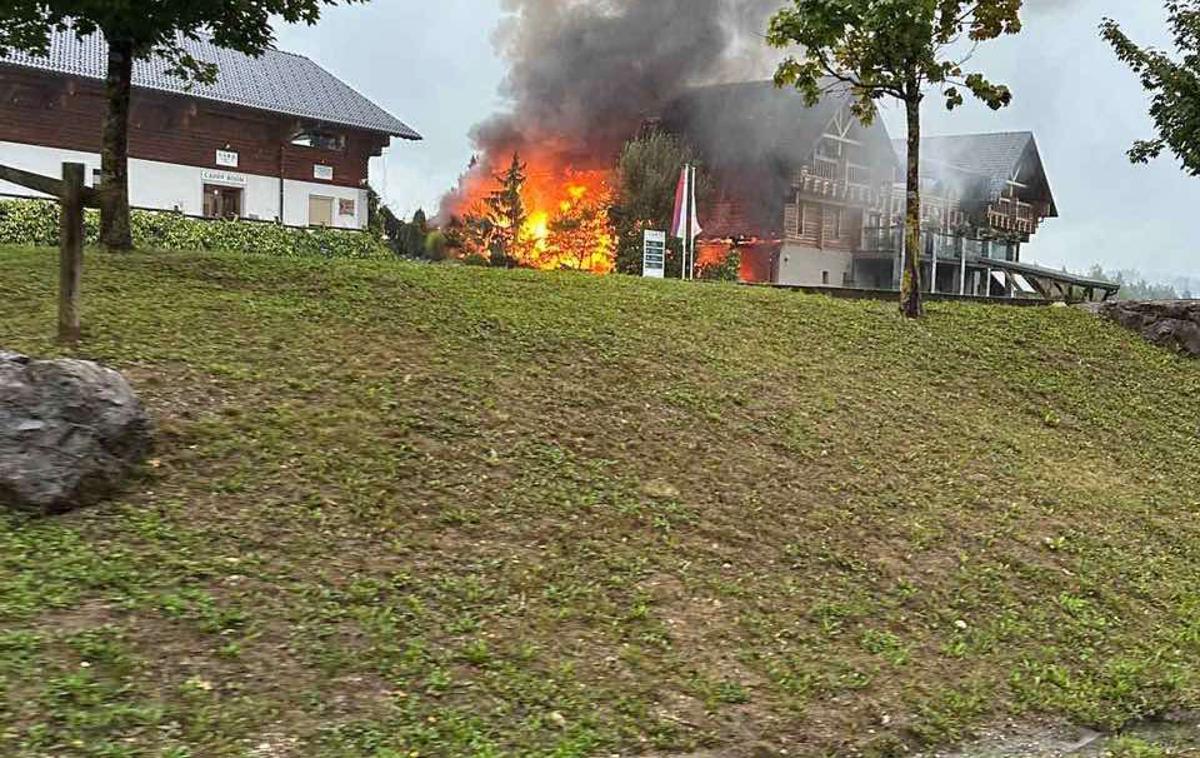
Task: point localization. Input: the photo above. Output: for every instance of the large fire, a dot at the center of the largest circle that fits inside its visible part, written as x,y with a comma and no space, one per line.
566,215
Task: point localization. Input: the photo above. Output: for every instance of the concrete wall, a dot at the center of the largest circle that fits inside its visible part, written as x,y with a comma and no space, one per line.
168,186
810,267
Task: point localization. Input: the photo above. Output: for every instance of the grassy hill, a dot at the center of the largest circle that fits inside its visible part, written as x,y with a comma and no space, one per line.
405,510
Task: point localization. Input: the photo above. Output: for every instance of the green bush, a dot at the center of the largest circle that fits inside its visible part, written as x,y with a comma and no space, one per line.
35,222
728,270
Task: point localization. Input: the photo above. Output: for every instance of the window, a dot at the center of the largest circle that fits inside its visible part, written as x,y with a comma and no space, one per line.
855,174
321,140
825,168
320,210
222,202
824,277
830,149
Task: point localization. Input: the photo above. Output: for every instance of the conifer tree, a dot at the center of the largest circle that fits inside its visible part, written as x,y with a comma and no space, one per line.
506,212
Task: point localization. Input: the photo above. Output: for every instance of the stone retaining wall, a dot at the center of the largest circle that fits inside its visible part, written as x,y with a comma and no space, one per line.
1173,324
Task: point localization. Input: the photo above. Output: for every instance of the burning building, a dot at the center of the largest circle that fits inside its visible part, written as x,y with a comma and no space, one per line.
812,197
583,77
808,196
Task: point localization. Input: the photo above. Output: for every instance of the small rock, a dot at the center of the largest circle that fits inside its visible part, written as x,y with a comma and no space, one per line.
660,489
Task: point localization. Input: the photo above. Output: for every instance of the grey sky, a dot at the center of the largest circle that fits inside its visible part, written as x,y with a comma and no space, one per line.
434,68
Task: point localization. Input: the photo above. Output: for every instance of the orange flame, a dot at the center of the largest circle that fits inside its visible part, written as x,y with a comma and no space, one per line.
566,224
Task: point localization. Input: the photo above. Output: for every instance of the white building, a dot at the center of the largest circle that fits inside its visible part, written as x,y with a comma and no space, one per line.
275,138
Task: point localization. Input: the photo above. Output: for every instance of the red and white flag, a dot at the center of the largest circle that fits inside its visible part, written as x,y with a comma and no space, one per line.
686,219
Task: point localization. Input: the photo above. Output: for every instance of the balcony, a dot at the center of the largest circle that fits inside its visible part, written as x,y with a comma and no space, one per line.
888,241
825,179
1018,217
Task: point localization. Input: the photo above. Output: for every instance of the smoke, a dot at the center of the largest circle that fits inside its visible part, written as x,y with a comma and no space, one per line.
585,74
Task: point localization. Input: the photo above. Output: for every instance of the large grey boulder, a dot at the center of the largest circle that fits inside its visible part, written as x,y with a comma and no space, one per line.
70,432
1173,324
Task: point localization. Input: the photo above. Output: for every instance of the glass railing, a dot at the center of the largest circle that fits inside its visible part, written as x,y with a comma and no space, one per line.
890,239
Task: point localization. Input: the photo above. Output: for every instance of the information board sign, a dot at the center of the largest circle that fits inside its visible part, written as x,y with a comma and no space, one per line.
654,254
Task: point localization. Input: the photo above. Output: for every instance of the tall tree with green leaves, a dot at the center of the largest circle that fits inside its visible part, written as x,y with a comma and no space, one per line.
901,49
1173,84
506,214
140,30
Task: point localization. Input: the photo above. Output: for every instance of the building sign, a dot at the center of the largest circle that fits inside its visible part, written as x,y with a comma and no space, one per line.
227,158
654,254
345,207
324,173
227,178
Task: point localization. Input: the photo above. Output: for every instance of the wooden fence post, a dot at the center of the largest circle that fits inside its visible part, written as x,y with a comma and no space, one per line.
70,261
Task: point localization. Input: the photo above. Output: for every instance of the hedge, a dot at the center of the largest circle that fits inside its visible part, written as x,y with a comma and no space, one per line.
35,222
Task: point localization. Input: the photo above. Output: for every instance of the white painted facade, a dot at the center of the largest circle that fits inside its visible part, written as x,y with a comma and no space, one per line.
172,187
800,265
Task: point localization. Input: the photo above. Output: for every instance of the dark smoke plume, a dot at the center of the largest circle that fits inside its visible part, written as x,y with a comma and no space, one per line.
584,74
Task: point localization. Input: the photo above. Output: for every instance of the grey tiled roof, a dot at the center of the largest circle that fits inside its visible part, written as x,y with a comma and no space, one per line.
276,82
991,156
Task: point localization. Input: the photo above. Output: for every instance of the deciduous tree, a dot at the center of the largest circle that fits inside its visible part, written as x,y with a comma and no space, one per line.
1173,84
900,49
140,30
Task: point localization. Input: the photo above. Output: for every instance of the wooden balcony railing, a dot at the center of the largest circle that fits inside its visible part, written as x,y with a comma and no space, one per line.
808,182
1023,221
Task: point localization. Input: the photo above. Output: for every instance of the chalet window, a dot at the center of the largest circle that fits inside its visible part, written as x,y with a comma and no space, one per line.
825,168
321,140
222,202
811,221
830,149
320,210
856,174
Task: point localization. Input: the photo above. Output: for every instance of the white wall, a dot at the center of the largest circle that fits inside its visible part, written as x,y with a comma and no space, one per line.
803,266
169,186
295,203
42,160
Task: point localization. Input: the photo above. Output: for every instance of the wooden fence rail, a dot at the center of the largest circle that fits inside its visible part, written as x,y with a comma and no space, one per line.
73,196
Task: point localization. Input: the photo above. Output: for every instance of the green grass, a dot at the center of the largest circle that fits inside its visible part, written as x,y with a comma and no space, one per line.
410,510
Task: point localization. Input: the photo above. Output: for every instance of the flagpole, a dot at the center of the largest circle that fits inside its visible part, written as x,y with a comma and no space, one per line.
689,243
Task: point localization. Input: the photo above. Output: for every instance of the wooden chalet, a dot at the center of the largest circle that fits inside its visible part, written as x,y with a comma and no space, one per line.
811,197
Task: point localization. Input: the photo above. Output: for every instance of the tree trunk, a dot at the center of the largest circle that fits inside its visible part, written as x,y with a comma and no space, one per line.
114,157
910,281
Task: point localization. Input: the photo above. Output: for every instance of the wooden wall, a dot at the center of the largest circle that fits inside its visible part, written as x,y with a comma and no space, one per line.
67,113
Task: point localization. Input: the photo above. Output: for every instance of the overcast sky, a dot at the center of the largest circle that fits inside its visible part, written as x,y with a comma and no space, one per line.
433,66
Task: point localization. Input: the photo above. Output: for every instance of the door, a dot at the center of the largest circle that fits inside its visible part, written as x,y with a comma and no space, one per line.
320,211
222,202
